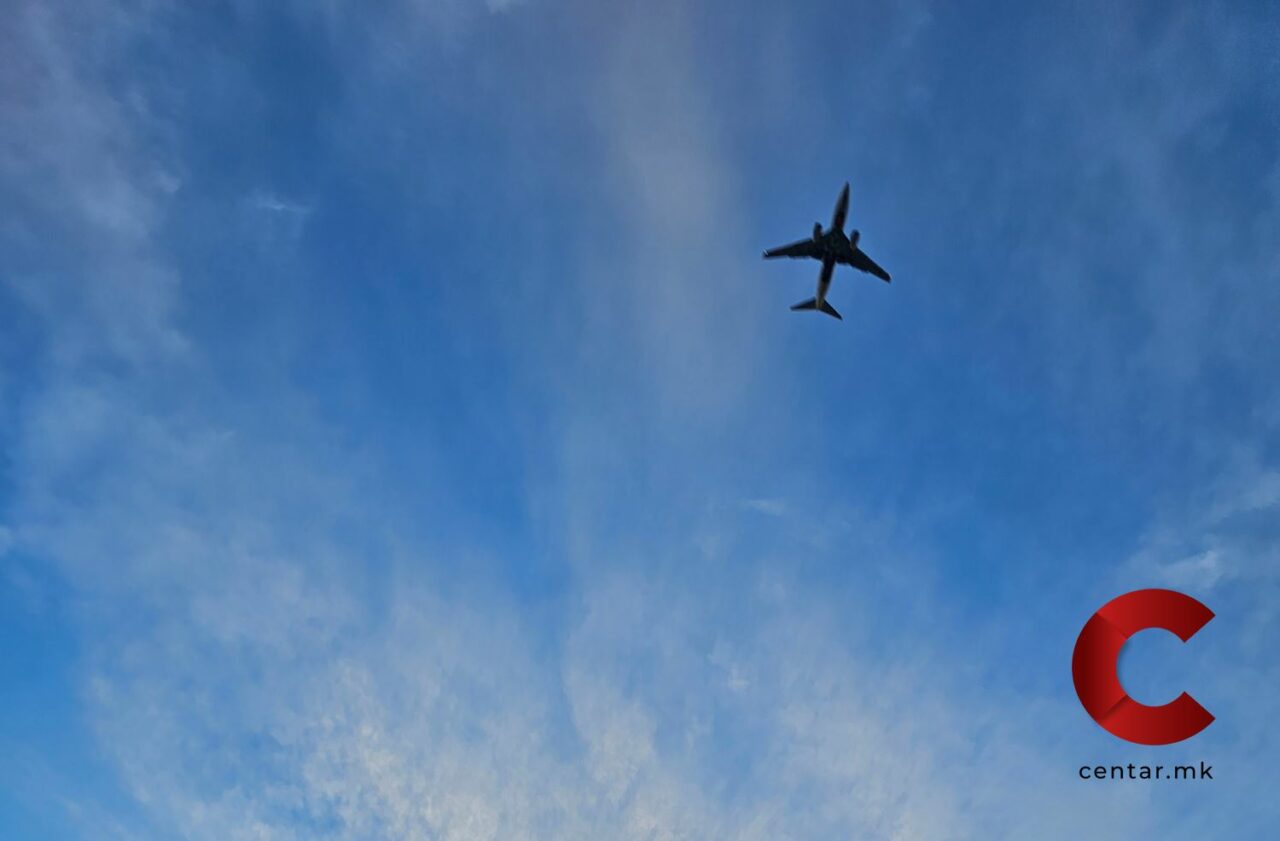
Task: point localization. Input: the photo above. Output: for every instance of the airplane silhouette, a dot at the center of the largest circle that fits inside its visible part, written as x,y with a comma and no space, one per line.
831,247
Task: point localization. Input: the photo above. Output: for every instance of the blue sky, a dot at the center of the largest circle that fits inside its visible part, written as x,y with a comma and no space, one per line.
402,437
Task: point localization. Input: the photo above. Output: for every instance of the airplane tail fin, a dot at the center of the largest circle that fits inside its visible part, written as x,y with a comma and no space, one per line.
812,304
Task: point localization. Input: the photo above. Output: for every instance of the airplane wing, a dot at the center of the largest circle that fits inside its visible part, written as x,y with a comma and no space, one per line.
803,248
860,261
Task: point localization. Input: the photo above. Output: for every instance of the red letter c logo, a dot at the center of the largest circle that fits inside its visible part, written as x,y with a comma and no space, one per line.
1093,667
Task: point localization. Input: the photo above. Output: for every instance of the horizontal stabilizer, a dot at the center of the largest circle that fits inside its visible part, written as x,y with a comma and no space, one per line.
812,304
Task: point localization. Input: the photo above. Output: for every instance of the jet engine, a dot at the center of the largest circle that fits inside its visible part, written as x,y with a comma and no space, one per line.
817,231
853,237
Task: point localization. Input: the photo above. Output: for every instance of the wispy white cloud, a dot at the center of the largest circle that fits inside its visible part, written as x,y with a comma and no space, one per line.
83,170
1197,572
1224,540
772,507
272,203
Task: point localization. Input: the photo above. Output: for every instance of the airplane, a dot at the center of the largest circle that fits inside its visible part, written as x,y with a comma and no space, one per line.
831,247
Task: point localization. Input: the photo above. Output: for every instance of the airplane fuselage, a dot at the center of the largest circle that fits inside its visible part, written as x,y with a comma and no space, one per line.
833,247
834,242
